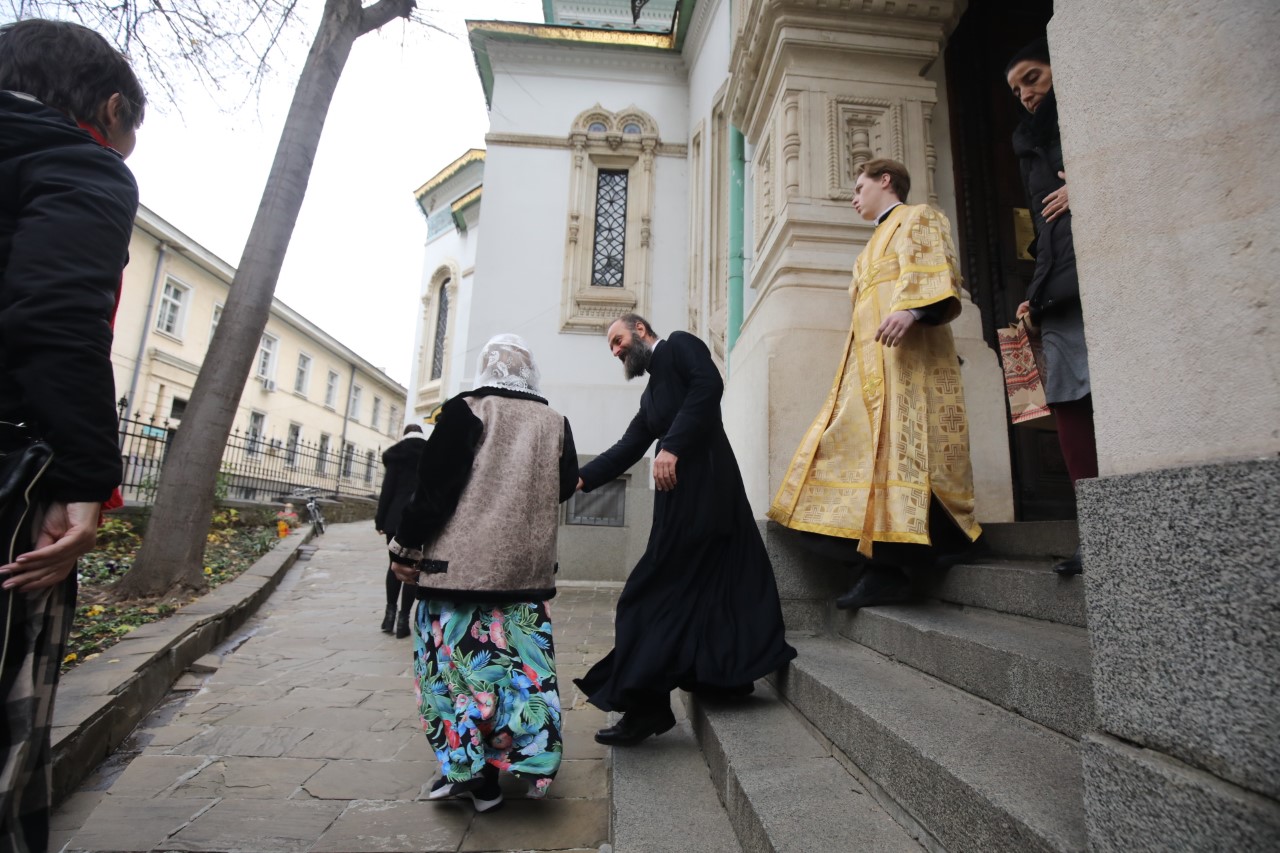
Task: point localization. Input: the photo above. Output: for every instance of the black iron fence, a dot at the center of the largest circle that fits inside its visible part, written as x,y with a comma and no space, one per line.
254,467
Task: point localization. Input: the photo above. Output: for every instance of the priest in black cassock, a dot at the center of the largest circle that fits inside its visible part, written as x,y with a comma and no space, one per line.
700,610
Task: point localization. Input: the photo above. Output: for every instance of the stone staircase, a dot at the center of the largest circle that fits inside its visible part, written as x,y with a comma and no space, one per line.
950,725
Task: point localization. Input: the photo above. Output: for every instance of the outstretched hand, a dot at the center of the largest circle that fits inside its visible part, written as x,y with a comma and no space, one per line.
68,531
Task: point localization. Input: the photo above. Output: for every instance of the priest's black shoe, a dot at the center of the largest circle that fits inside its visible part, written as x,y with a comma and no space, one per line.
633,728
878,585
1073,565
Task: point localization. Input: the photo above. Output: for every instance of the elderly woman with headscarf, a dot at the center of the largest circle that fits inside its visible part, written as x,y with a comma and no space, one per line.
1053,297
478,539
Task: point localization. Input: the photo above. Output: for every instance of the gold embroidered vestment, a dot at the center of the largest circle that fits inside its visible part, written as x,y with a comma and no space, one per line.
893,428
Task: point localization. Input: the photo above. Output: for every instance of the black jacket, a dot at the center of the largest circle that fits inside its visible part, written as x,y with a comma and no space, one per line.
66,215
1055,285
401,461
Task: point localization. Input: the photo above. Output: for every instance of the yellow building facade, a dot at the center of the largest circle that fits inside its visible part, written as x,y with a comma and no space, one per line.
305,390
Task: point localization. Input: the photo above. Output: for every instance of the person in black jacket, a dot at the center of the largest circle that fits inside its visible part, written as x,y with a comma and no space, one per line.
70,106
1053,297
700,611
401,461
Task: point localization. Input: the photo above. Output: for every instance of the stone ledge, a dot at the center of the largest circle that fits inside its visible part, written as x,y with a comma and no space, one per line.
1137,799
99,702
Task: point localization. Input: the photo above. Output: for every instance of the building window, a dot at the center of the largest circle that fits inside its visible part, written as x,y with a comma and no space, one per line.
609,235
368,466
393,421
322,454
353,405
177,409
442,330
611,228
291,445
213,326
348,458
257,427
303,375
173,302
375,420
604,507
266,357
331,390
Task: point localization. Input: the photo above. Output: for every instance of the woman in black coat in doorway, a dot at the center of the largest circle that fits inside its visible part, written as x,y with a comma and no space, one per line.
1053,297
401,462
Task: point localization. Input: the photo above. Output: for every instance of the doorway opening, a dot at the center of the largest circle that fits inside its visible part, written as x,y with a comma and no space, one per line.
994,227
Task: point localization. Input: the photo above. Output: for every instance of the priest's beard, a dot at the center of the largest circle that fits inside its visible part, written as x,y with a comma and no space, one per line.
636,361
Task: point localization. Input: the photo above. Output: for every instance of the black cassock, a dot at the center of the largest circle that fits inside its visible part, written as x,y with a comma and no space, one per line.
701,607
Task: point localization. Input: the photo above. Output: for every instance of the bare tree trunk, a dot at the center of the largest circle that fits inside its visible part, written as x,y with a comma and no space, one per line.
173,549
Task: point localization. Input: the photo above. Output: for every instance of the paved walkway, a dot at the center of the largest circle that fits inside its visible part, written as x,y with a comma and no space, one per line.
306,738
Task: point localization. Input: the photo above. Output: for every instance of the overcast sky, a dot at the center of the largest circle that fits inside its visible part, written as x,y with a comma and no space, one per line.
409,103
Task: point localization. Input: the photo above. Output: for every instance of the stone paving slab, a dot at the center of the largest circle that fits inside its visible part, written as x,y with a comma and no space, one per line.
101,700
397,827
306,737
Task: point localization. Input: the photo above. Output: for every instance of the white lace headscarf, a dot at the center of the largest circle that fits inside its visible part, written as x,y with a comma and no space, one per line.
506,362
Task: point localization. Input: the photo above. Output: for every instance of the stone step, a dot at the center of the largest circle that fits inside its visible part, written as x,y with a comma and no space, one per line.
1022,587
1037,669
783,789
1029,539
663,797
977,777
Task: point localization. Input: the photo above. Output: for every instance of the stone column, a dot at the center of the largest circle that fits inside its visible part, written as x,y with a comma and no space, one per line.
819,88
1171,134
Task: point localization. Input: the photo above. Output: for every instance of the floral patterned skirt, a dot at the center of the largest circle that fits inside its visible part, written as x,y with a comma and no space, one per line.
485,681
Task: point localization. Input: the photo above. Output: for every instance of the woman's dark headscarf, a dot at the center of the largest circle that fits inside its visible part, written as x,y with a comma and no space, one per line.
1042,125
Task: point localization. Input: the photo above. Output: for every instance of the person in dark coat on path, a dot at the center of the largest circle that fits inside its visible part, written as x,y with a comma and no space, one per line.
401,463
70,106
700,611
1053,297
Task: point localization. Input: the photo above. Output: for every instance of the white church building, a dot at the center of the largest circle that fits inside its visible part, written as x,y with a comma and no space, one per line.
695,165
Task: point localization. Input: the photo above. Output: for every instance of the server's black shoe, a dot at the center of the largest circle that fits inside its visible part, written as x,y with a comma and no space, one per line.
1073,565
634,727
878,585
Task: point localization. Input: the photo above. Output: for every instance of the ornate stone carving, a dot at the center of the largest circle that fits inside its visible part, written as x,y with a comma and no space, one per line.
930,154
858,130
791,143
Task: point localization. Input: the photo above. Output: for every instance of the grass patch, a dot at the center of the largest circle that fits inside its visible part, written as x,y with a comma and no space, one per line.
101,620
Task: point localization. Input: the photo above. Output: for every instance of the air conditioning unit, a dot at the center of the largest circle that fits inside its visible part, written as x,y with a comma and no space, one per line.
267,384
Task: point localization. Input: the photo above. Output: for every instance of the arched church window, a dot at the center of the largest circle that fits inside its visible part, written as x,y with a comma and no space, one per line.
631,127
442,326
611,228
596,127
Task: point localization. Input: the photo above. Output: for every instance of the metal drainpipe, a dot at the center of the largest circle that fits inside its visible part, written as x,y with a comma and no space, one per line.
737,193
146,327
346,417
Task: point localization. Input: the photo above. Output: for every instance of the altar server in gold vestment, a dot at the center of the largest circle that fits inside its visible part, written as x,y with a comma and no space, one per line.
882,476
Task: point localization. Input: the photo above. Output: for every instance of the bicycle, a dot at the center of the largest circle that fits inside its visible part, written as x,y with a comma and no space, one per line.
315,514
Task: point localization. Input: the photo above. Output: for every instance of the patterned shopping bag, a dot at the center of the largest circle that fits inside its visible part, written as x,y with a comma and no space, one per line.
1022,372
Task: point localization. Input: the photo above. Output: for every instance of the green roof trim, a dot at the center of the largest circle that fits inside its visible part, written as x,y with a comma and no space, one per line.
548,11
684,16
